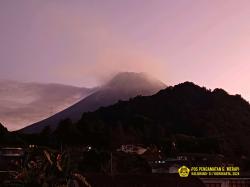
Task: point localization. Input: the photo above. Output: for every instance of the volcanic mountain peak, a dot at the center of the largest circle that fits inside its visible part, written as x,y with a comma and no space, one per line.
132,80
122,87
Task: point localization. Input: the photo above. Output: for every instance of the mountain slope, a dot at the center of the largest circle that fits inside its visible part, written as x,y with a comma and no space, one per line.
122,87
25,103
196,119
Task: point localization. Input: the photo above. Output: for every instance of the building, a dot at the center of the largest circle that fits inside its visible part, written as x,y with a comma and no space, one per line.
11,158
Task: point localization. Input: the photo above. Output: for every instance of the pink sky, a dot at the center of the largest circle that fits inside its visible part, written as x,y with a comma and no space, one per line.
82,42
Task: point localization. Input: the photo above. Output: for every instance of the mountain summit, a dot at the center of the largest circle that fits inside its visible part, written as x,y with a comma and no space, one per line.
134,81
121,87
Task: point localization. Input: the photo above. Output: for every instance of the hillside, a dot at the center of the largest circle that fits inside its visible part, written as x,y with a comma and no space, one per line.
194,118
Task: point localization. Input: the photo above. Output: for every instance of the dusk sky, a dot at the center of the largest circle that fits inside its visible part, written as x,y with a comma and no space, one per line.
83,42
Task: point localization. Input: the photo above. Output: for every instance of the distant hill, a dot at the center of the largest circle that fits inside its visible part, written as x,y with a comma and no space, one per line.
195,119
7,138
25,103
121,87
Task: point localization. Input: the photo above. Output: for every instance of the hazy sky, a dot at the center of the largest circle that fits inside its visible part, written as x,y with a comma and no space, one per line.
81,42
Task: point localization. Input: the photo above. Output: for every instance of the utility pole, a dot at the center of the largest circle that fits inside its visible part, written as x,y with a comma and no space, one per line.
111,163
61,147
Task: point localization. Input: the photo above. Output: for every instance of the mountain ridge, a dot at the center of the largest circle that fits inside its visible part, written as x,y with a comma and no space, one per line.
195,118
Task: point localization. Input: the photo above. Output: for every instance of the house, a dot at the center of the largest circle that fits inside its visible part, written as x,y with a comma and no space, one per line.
11,158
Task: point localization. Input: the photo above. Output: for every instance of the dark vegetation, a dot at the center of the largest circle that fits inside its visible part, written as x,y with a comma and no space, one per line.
194,118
